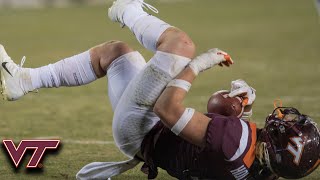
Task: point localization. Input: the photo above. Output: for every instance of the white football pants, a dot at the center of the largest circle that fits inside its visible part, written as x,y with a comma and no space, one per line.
134,87
133,115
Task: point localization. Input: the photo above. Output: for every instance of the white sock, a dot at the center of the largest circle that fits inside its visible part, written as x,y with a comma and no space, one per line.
145,27
74,71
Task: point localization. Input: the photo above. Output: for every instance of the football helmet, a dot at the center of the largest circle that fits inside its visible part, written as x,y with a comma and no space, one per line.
292,146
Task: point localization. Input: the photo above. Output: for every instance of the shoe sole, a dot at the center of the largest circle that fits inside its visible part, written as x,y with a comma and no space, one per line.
3,89
2,81
3,86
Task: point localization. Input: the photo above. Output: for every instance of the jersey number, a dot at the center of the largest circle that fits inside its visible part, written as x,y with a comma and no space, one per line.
297,149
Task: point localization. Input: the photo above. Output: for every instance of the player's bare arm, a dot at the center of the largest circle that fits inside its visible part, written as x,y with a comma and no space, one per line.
169,108
186,122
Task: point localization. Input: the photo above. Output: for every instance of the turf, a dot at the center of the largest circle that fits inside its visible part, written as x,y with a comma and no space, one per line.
275,44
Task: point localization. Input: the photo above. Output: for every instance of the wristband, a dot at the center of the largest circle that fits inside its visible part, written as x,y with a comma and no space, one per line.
185,85
183,121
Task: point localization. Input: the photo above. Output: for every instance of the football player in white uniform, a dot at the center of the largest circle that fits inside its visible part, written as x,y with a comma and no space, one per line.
133,84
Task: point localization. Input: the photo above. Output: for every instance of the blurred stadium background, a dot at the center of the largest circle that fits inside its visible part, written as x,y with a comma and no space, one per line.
46,3
276,46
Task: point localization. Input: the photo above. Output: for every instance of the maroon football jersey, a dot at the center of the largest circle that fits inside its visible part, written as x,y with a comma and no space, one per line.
228,153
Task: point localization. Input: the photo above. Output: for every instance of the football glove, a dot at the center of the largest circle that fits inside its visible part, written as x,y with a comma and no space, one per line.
209,59
242,89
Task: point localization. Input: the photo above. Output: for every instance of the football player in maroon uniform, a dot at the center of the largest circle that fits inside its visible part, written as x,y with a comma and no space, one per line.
220,147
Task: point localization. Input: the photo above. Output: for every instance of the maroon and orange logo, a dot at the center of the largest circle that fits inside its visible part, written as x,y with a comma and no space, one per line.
39,147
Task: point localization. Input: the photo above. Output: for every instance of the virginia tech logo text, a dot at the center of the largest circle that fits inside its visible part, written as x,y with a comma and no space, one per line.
39,147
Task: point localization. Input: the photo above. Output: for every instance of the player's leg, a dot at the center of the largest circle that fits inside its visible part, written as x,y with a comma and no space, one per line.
120,72
77,70
134,117
120,63
153,33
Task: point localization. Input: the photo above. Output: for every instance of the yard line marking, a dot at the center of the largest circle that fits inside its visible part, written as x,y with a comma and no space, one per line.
74,141
47,137
70,141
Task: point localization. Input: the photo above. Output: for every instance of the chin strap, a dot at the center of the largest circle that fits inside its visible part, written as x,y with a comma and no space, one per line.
247,115
267,157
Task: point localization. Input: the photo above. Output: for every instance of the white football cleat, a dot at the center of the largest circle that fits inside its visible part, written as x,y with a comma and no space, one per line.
118,8
11,76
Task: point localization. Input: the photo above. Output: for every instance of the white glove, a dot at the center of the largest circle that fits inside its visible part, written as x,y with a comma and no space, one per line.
241,88
209,59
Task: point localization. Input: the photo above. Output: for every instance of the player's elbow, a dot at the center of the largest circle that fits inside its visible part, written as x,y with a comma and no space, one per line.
159,109
166,109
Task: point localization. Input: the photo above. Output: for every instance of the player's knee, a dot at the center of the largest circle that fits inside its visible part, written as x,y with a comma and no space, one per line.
109,51
117,48
177,42
104,54
185,43
122,48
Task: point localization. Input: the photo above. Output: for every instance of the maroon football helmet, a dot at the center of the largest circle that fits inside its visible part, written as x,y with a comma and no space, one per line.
292,143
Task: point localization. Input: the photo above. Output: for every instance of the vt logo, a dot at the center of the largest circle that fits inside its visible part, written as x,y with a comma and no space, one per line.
39,147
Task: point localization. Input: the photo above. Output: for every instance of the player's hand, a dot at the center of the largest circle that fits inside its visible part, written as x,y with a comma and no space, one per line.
242,89
209,59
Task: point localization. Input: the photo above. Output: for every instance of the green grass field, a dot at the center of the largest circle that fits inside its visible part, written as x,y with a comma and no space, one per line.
275,44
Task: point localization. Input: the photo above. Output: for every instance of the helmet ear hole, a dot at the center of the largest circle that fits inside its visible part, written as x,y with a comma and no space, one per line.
302,119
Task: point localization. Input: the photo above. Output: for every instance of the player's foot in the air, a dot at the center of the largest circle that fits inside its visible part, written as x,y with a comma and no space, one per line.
116,11
12,76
